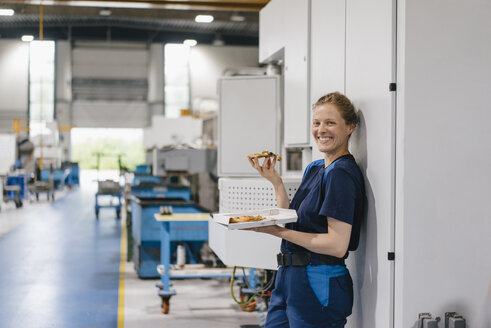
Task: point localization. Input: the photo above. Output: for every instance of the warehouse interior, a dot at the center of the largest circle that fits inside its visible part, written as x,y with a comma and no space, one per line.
125,127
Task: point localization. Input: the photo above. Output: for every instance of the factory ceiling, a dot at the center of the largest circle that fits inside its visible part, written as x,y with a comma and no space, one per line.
236,22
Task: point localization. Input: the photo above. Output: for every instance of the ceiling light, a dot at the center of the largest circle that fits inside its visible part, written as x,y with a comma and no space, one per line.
237,18
6,12
204,19
190,42
27,38
105,12
218,40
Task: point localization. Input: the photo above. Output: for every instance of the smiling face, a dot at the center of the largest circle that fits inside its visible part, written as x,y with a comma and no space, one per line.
330,131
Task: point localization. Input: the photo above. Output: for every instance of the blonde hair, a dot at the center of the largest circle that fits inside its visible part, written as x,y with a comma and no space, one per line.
343,104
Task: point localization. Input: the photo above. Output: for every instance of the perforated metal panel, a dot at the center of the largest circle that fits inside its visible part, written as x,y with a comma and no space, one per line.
251,194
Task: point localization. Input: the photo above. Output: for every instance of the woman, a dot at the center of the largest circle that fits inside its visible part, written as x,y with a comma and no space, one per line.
313,286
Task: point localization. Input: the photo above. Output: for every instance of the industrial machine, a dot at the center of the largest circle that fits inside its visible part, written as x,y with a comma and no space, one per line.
195,168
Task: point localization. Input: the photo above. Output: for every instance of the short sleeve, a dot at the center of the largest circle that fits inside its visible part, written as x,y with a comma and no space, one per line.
339,196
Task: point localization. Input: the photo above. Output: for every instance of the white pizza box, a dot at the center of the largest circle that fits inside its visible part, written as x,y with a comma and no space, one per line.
243,248
272,216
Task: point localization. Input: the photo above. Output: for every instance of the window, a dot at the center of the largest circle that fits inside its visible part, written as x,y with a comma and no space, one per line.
176,79
41,86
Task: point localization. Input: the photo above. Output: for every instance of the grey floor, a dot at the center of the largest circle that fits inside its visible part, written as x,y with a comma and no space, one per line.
198,303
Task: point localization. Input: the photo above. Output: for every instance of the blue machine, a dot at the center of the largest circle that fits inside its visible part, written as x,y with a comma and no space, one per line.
146,232
71,174
58,177
15,189
150,190
143,169
17,180
139,179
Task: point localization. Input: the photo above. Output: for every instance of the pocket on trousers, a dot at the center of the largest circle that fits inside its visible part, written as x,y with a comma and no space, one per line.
319,283
341,294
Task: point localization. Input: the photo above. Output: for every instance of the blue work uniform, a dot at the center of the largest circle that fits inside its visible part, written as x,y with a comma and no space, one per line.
319,295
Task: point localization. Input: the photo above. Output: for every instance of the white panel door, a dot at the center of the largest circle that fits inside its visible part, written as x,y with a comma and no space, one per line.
248,122
327,53
444,161
297,80
370,59
271,30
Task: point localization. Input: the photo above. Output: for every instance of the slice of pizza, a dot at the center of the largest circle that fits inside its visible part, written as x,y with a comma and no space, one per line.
265,153
246,218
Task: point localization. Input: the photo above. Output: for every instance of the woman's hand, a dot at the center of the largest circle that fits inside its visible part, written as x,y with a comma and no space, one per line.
268,172
274,230
267,169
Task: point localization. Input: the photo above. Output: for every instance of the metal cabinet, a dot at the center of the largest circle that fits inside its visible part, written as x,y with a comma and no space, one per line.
248,122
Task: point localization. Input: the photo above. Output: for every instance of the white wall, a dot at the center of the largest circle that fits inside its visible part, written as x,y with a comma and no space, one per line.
110,114
101,60
63,53
208,63
7,149
116,62
156,79
444,160
63,57
14,63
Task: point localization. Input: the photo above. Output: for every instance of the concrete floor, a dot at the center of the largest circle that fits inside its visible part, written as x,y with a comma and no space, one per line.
198,303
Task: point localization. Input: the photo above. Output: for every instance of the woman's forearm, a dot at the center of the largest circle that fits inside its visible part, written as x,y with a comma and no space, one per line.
321,243
281,195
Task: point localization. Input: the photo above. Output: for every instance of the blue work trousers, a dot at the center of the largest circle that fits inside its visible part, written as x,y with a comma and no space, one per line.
294,304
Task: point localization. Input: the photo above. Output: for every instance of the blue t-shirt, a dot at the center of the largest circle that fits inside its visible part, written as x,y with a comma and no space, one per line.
337,191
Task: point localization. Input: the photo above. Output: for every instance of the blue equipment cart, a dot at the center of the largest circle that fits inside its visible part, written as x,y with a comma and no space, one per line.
185,222
154,188
15,189
110,190
146,233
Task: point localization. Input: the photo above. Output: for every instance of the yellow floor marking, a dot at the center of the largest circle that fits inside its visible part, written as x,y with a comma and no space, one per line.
121,269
